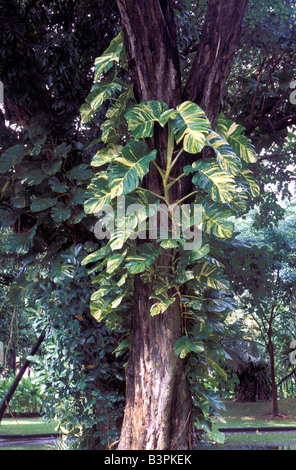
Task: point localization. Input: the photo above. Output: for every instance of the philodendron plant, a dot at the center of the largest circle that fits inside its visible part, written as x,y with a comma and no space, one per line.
174,245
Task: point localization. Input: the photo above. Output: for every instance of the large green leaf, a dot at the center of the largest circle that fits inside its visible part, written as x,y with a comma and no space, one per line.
60,212
106,155
216,366
101,307
191,125
51,168
104,87
115,123
226,157
114,261
145,256
216,220
219,184
110,57
80,172
96,255
141,118
56,185
129,168
12,156
86,112
161,306
240,202
99,192
211,276
249,182
62,150
185,345
184,277
199,253
220,304
103,91
41,203
232,133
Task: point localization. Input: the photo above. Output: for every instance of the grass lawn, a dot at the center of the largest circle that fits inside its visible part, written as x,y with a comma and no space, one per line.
258,414
249,415
260,441
26,426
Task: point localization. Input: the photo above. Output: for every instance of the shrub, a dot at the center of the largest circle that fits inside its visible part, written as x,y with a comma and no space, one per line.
26,399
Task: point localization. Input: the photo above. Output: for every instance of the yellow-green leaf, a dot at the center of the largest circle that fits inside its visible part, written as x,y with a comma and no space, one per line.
233,134
191,125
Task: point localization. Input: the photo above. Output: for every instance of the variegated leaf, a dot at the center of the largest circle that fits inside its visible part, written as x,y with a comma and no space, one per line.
129,168
114,261
103,91
191,125
115,124
211,276
145,256
216,221
141,118
185,345
99,194
251,181
219,184
161,306
109,57
232,133
106,155
226,157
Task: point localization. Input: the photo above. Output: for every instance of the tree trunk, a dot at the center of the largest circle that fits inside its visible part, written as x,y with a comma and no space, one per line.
13,387
158,411
218,42
275,406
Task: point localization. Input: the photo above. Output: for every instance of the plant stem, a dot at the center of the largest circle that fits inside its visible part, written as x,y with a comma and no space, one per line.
176,159
154,194
174,181
185,197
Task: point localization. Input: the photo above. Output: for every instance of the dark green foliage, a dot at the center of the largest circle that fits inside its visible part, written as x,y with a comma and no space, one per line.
254,382
81,379
47,53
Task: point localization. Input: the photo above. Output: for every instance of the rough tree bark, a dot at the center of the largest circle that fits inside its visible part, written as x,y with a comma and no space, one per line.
158,412
270,349
218,42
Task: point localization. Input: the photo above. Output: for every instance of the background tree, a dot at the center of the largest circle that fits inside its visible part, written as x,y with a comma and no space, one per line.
15,331
258,97
263,275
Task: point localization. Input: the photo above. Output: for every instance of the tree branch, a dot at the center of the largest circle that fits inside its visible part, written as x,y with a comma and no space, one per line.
219,39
